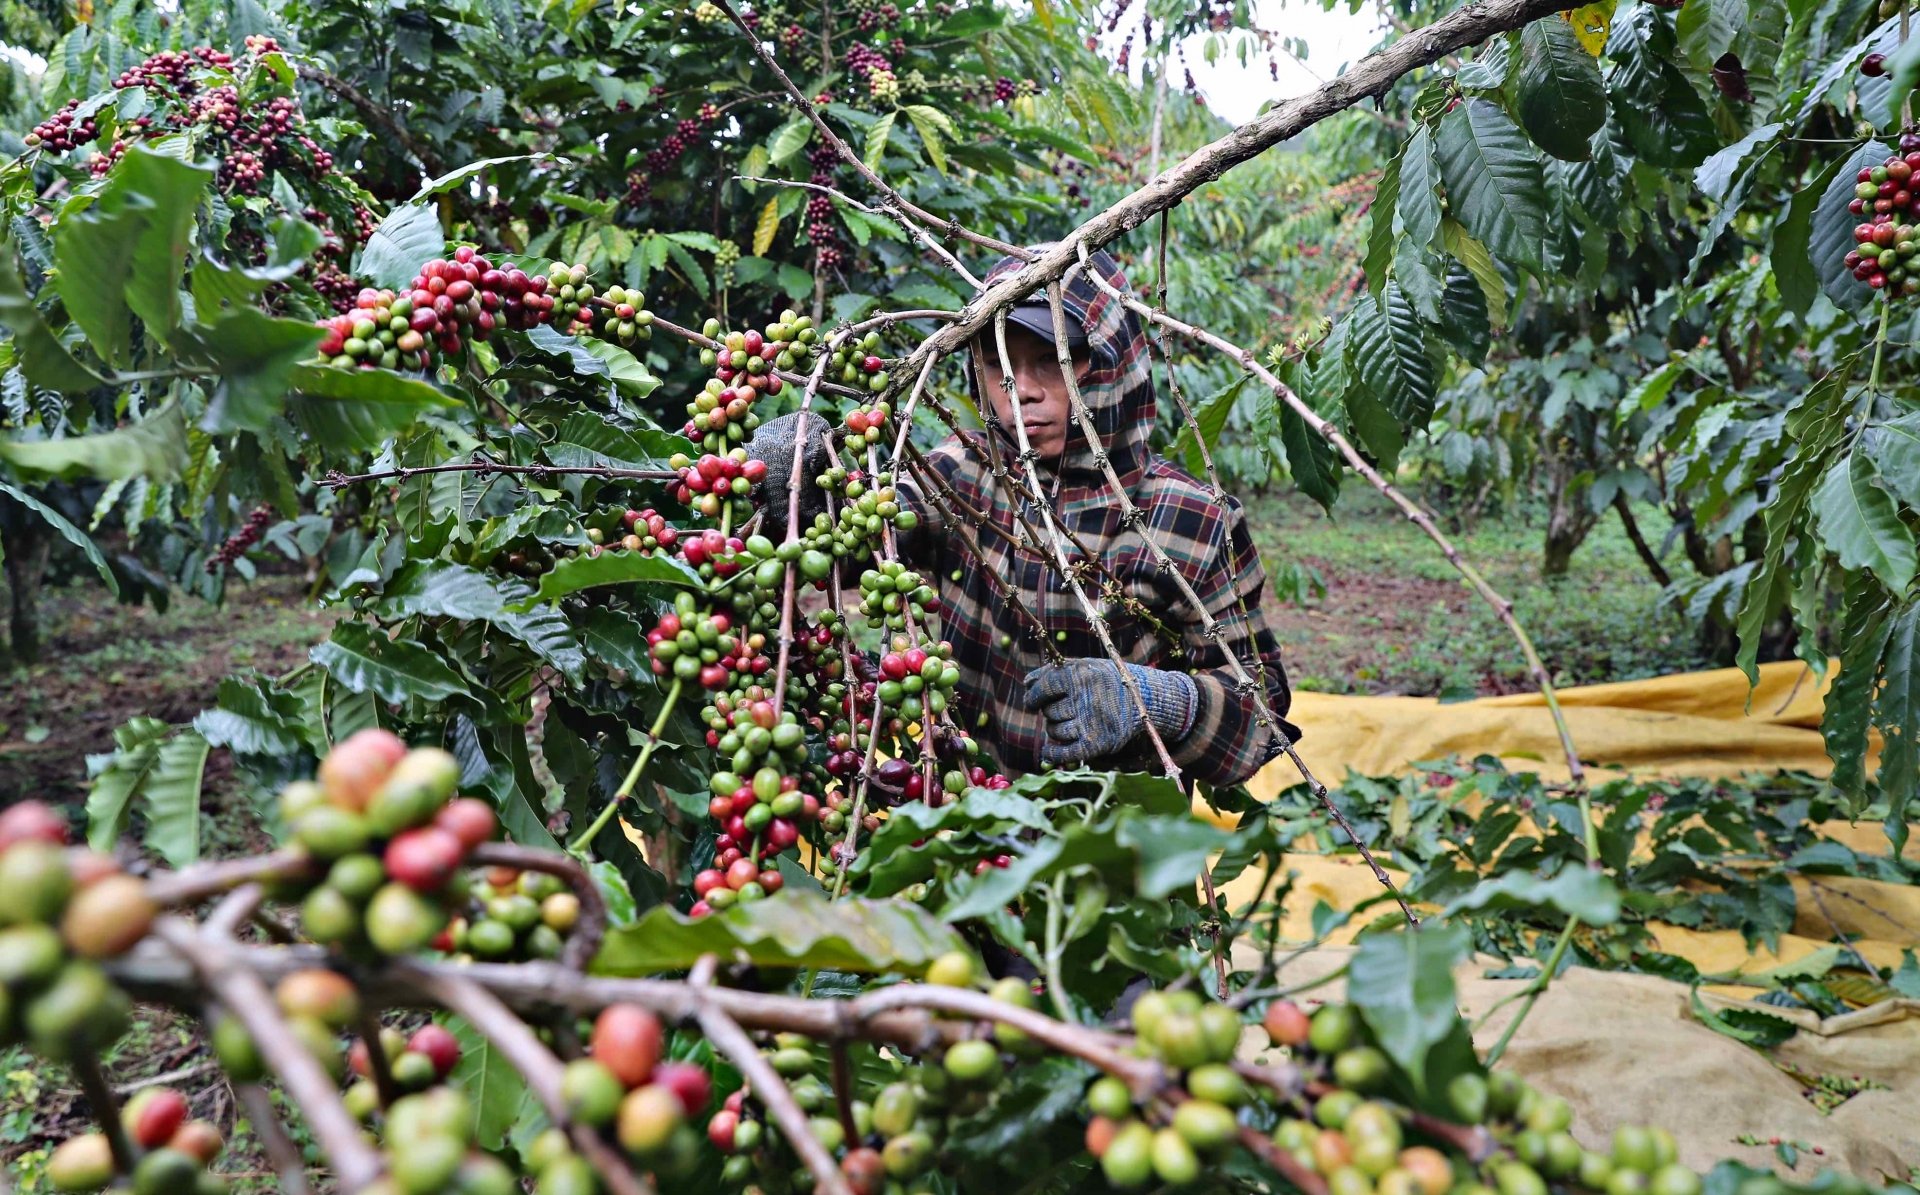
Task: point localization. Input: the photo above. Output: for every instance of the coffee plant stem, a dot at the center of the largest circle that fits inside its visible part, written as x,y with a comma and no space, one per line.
1879,345
380,115
1531,994
1097,620
730,1041
106,1110
848,845
534,1063
795,479
336,480
580,844
1056,982
805,105
354,1161
203,880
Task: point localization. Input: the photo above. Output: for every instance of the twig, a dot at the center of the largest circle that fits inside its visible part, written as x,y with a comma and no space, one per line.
806,107
534,1062
335,479
583,941
191,885
632,779
106,1110
221,969
178,1074
732,1042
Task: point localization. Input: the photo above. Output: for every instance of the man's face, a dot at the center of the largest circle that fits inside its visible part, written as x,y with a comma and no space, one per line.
1045,407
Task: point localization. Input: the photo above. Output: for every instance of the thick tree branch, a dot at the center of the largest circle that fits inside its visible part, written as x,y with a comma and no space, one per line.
1372,76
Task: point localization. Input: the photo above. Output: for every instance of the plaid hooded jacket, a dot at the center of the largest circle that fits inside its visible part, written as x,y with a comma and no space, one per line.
995,646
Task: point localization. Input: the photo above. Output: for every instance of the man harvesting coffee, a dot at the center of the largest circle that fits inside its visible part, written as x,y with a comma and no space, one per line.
1036,711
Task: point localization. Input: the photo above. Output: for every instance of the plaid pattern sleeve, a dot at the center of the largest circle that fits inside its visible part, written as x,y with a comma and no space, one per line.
1231,737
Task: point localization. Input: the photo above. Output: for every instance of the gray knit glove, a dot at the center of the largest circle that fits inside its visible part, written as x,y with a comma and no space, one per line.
1090,715
774,442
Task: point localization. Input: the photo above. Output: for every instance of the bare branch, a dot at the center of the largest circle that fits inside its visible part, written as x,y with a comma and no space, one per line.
221,968
731,1042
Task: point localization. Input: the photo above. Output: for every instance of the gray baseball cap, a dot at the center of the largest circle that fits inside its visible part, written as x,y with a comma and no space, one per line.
1037,317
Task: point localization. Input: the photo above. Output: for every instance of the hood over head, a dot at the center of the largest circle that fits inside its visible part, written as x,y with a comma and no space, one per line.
1118,388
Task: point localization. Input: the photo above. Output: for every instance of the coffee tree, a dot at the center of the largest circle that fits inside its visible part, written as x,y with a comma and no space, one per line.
723,740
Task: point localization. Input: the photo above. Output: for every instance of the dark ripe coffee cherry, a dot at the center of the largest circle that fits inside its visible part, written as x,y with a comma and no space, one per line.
1873,65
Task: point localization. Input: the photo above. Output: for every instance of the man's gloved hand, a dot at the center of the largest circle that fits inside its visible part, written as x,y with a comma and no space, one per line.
1090,714
775,442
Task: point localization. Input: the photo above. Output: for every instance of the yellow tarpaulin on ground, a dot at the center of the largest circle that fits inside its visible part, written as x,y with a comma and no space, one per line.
1627,1047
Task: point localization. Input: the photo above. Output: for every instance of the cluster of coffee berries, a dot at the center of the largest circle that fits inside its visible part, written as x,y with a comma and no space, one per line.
235,546
1888,197
698,647
384,821
744,365
620,316
1356,1141
643,531
1198,1039
61,912
64,130
513,915
414,1062
857,363
446,304
431,1151
173,1150
709,484
649,1105
225,103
